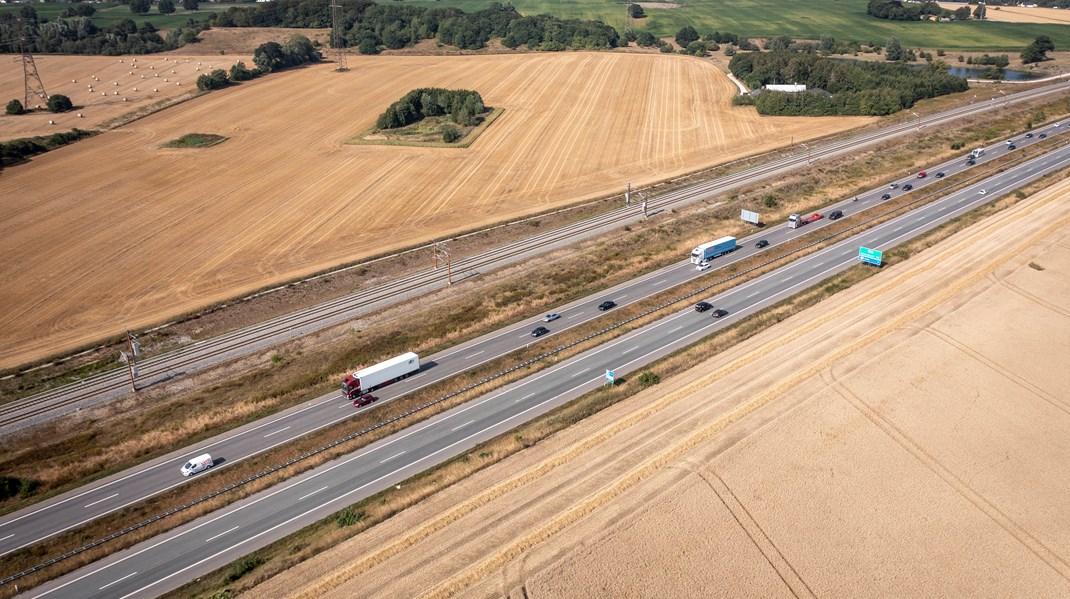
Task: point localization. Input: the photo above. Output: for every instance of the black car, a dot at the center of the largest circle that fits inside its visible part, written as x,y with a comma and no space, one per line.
886,196
1012,147
703,306
908,187
607,305
719,313
1028,135
761,243
940,175
539,331
835,214
971,162
1042,136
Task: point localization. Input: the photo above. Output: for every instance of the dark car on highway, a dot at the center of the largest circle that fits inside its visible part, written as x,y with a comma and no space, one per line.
835,214
607,305
1012,147
971,162
719,313
886,196
940,175
1042,136
1028,135
539,331
364,400
761,243
908,187
703,306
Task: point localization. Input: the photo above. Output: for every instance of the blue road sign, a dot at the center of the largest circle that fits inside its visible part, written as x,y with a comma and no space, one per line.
870,256
609,376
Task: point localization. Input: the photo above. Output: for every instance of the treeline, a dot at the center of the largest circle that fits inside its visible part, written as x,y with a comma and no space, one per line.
269,57
17,150
370,27
854,87
79,35
463,107
895,10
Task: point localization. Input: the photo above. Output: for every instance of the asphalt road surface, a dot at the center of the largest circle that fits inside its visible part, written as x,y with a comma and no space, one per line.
93,390
170,559
77,507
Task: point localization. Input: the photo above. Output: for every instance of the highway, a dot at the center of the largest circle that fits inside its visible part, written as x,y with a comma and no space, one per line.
72,509
172,558
99,388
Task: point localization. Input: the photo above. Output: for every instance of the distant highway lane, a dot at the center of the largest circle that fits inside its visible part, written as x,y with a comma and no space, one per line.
69,510
170,559
93,390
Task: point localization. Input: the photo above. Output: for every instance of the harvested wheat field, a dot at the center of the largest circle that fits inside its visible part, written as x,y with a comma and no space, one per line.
90,83
907,437
115,232
1019,14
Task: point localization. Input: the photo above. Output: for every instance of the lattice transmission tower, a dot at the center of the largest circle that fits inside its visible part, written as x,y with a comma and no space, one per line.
31,81
338,36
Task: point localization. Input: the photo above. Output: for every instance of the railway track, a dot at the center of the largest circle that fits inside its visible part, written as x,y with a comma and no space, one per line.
55,402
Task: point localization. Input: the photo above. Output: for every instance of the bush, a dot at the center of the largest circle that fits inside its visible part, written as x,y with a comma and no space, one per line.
635,11
450,134
349,517
59,103
462,106
15,107
165,7
686,35
239,72
140,7
217,79
244,566
645,39
666,48
729,51
190,4
770,201
648,379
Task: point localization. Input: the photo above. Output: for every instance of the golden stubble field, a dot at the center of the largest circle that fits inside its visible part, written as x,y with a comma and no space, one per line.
115,232
1019,14
906,438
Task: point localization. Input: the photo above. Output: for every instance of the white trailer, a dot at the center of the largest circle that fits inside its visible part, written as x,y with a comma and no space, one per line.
363,381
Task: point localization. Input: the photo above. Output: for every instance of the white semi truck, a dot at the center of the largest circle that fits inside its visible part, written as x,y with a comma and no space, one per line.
364,381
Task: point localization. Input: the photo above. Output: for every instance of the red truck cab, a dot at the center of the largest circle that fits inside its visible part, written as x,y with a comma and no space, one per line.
351,387
922,175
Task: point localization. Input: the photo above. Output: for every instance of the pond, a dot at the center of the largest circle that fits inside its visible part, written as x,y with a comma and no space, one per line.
978,72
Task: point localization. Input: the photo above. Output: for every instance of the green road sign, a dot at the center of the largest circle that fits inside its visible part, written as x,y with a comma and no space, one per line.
870,256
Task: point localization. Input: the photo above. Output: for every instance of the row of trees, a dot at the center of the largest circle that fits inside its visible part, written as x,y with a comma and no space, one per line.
371,27
895,10
463,107
79,35
165,7
856,87
271,56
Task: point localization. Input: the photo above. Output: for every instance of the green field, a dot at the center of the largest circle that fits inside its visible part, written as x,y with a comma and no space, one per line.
110,14
843,19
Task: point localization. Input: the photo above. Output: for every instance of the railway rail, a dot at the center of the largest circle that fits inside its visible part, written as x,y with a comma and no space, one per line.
98,388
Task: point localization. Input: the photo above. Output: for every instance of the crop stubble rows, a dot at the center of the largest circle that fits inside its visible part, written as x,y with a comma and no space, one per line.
116,232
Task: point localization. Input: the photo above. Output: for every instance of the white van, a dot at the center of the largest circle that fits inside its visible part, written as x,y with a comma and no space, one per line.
197,464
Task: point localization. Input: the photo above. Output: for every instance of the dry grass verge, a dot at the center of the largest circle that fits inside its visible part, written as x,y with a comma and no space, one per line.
205,484
328,532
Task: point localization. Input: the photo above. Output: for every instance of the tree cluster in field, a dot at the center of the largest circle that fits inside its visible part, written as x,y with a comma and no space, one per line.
17,150
856,87
370,27
895,10
636,12
463,107
1041,3
78,34
269,57
1000,62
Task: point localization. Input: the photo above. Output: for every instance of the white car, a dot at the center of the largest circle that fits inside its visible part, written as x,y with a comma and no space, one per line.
1056,125
702,265
983,191
552,316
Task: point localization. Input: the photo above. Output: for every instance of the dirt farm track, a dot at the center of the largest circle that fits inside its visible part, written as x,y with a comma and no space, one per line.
116,232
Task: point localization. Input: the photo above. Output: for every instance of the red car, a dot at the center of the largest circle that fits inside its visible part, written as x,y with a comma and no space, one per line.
364,400
813,217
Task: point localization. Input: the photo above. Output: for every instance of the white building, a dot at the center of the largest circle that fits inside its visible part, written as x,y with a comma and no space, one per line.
786,88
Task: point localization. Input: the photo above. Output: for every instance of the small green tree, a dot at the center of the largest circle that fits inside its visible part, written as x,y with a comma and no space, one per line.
979,12
635,11
140,7
59,103
729,51
239,72
165,7
1038,50
450,134
770,201
647,379
645,38
15,107
894,51
780,43
190,4
686,35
